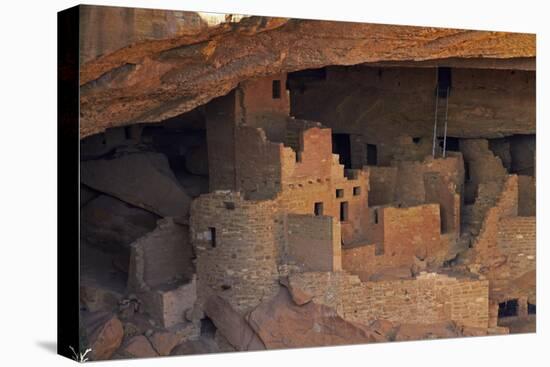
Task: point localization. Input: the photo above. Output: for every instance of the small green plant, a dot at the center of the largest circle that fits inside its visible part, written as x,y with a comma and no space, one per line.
80,357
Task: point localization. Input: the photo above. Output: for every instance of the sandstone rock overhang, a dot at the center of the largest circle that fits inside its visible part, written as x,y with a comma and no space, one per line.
154,70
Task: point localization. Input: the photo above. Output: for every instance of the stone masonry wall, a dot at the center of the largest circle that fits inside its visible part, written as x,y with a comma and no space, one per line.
267,170
237,247
258,107
437,190
494,254
483,166
410,188
258,164
517,240
161,257
409,235
161,272
317,177
314,242
430,298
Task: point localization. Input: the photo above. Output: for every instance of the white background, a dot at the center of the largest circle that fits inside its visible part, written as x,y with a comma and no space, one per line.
28,182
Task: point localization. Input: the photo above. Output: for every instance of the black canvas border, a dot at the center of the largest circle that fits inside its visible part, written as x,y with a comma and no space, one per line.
68,181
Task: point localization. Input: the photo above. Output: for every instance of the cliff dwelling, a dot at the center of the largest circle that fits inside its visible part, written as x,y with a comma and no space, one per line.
230,203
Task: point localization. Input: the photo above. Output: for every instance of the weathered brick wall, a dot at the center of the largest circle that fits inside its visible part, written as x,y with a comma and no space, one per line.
294,128
487,197
527,196
410,188
490,258
314,242
485,245
407,234
241,264
300,198
161,257
257,107
414,230
317,176
483,166
220,138
382,185
265,170
161,272
363,260
517,240
437,190
428,299
315,158
258,164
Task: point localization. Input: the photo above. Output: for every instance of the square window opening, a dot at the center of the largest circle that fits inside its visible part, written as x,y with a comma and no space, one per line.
508,308
356,191
339,193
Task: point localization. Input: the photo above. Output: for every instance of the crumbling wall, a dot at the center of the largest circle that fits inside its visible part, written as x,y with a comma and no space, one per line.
314,242
410,188
409,235
259,106
505,206
237,246
437,190
516,240
294,129
161,272
258,164
483,166
313,161
505,250
430,298
161,257
317,177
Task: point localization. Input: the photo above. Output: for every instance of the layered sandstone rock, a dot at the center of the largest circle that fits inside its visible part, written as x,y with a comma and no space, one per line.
111,224
232,325
104,333
142,179
138,347
147,73
280,323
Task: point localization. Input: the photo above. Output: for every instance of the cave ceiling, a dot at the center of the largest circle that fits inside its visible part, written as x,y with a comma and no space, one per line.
148,71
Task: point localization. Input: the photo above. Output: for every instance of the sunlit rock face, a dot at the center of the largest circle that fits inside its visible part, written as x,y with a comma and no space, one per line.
156,64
